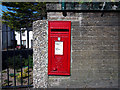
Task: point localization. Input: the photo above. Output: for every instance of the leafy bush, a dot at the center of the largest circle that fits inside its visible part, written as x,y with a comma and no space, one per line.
20,60
30,61
17,62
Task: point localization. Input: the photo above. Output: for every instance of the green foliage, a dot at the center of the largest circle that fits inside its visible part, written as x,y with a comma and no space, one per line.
24,75
22,14
30,62
18,62
7,81
12,75
18,75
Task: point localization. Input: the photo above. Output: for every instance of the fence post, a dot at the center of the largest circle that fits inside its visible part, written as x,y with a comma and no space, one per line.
7,55
28,53
14,57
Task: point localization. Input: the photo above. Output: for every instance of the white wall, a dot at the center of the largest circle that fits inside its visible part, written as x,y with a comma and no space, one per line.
24,37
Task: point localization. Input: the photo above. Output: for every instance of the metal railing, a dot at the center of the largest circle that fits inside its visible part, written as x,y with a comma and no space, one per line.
16,77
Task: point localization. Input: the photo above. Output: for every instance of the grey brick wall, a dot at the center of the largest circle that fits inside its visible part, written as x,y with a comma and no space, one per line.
94,62
94,53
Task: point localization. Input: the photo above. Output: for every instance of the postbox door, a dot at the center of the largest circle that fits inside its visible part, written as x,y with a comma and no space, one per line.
59,55
59,47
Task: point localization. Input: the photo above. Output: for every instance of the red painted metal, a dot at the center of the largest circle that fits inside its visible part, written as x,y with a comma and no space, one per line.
59,33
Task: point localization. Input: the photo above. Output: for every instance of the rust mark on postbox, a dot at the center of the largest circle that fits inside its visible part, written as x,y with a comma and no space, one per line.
59,47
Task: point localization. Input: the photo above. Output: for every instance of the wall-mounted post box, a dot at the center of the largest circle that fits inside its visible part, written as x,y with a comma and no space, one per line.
59,47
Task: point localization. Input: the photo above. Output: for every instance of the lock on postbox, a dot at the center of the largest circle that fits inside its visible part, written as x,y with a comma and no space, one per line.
59,47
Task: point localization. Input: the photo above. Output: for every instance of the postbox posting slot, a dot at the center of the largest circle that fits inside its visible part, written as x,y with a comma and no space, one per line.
59,30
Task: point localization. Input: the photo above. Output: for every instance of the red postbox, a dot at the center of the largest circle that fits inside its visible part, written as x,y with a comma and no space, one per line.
59,47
